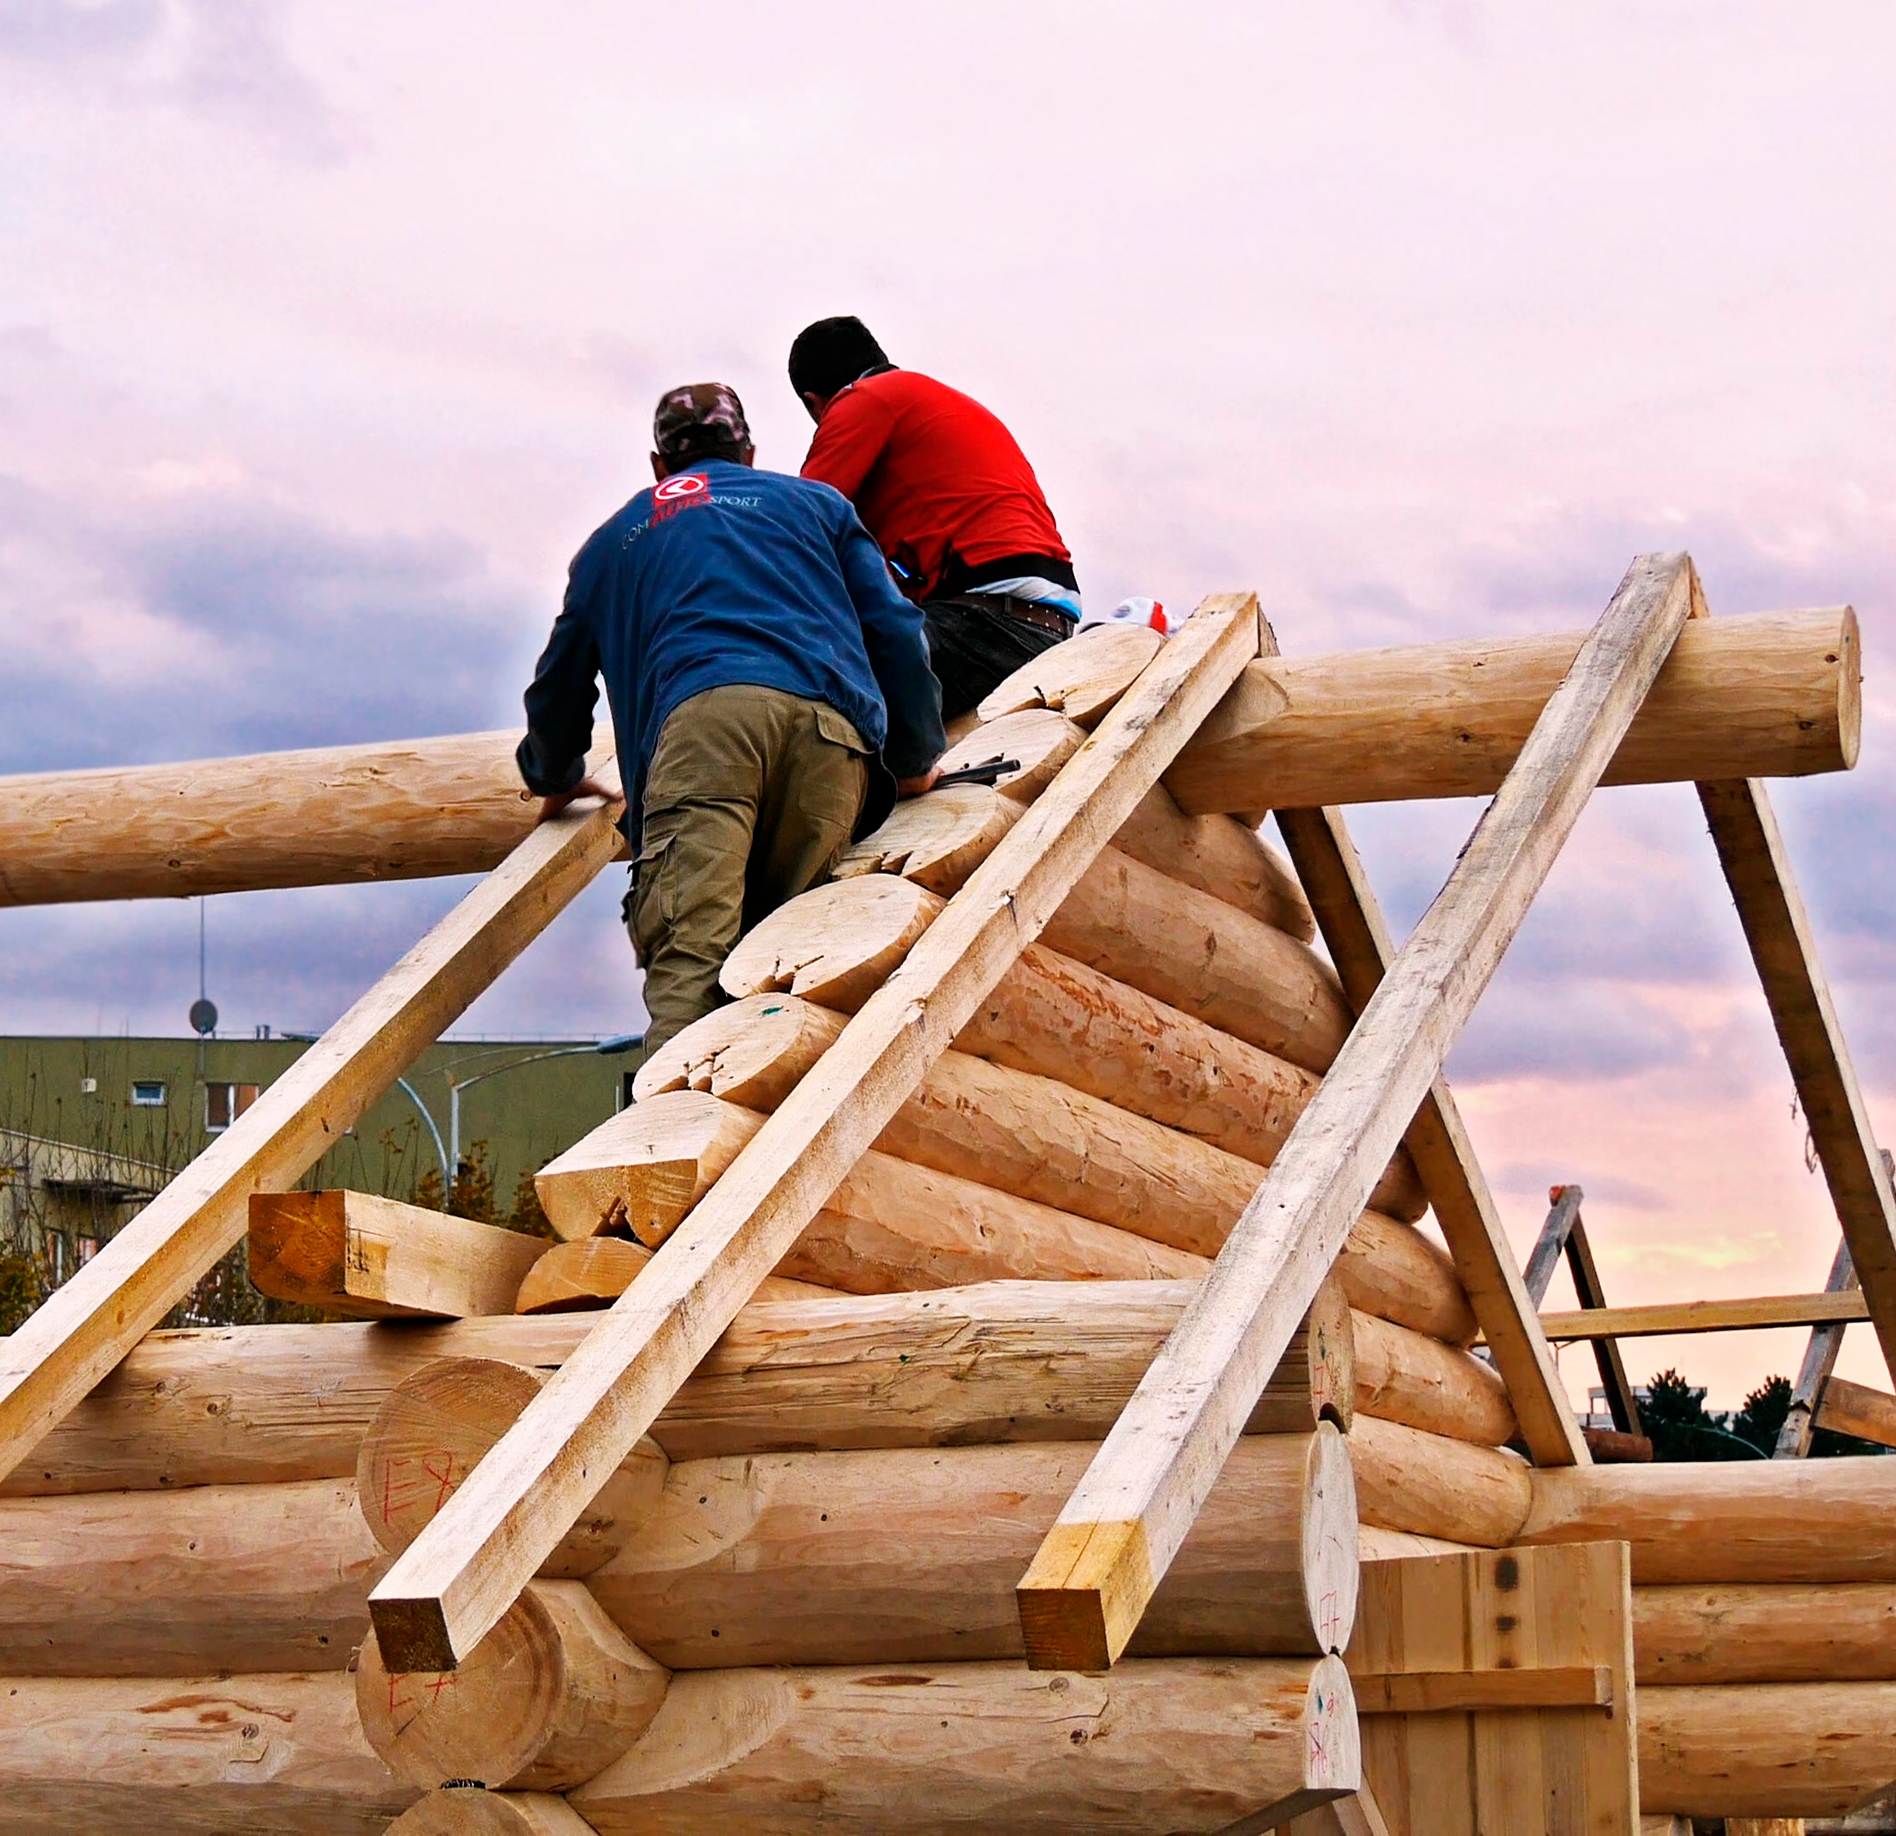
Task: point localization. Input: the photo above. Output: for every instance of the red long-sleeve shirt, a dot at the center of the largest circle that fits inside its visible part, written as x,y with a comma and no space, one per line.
939,482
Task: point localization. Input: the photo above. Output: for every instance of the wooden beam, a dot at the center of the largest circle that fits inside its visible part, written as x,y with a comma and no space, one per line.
1563,1209
1758,869
1820,1362
1775,695
468,1566
85,1328
377,1259
1668,1317
1352,924
1854,1408
1081,1600
1436,1692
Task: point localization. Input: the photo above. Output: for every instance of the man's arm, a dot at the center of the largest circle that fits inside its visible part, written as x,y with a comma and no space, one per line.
560,701
849,440
894,636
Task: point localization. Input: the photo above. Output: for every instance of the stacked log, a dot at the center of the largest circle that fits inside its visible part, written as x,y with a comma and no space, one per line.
1764,1626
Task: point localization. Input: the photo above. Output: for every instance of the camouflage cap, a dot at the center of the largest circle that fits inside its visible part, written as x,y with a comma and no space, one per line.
699,418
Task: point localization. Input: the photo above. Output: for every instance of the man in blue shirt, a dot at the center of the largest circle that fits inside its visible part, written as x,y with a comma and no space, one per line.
766,682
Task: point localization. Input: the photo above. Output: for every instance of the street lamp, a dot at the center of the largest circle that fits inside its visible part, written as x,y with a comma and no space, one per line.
604,1048
441,1153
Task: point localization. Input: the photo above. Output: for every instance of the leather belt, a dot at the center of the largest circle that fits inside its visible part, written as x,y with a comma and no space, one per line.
1025,611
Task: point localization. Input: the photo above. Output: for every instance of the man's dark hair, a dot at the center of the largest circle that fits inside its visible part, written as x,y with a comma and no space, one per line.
829,355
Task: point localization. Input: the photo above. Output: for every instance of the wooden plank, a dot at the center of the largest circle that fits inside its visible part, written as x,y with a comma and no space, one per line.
1854,1408
1356,1815
1082,1598
375,1258
1434,1692
1352,924
1758,870
467,1567
1665,1317
1564,1207
1621,1403
1820,1355
85,1328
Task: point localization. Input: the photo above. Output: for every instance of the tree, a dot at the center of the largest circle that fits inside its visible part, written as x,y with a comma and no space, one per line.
1673,1414
1763,1414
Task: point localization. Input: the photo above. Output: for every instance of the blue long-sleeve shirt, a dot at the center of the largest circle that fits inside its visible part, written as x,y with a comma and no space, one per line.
721,575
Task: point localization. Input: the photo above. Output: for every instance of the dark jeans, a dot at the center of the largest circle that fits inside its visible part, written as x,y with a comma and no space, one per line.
974,651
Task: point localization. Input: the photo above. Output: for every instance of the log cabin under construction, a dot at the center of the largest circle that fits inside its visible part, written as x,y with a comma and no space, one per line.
1042,1358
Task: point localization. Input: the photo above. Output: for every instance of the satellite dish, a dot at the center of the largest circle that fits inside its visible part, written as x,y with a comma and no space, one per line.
203,1016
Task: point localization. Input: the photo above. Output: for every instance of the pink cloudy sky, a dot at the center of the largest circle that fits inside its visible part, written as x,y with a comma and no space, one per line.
330,331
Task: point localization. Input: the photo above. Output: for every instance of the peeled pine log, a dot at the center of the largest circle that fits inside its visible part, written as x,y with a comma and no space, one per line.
1176,1744
1038,740
549,1697
1777,1521
1393,1271
219,1578
594,1271
190,1756
1002,1361
1019,1131
1432,1486
376,1258
837,944
1766,1749
936,840
472,1812
1031,1363
1375,1544
1406,1376
1080,678
1752,1633
912,1556
434,1429
1776,695
889,1225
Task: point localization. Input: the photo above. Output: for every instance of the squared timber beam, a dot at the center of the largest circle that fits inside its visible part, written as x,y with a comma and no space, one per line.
462,1573
1854,1408
1820,1362
1352,924
88,1326
1763,887
377,1259
1083,1596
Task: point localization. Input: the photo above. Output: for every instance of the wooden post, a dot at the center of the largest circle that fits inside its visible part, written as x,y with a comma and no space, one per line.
463,1571
85,1328
1565,1232
1352,924
1758,870
1081,1600
1820,1360
1853,1408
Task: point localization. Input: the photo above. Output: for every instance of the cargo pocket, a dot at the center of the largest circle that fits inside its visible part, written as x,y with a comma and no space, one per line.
651,902
830,791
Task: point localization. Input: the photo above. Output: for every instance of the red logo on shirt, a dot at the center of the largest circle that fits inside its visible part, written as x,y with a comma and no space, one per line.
683,484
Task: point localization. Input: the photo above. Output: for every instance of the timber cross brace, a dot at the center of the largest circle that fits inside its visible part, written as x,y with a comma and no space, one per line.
1067,1028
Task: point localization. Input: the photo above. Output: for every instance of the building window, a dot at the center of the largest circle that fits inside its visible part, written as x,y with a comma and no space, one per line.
224,1103
148,1093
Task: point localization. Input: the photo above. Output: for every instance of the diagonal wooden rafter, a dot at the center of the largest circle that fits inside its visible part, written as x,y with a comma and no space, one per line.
1565,1232
1758,870
466,1568
1820,1362
1098,1567
1352,924
90,1324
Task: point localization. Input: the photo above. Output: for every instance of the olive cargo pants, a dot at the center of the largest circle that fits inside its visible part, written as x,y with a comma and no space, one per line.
750,797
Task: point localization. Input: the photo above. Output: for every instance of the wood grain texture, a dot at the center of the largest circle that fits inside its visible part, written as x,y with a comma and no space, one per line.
911,1556
1174,1744
1778,1521
1854,1408
593,1272
459,1576
1080,678
393,810
1438,1147
553,1694
233,1578
1766,1749
1005,1361
85,1328
1777,928
1664,1318
1130,1514
1758,1633
490,1813
1775,695
1408,1377
1408,1479
191,1756
369,1258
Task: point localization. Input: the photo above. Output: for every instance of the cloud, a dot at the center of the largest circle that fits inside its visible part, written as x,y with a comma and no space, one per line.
225,61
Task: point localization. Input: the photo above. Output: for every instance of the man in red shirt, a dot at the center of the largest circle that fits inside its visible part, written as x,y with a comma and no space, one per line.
951,501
